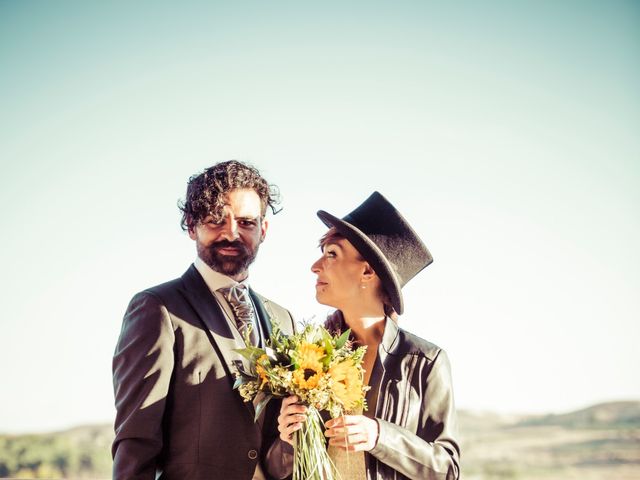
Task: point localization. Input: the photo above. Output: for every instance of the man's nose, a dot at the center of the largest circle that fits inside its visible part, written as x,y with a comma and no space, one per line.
229,230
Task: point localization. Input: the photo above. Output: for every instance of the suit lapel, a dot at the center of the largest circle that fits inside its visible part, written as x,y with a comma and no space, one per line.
265,315
387,347
213,319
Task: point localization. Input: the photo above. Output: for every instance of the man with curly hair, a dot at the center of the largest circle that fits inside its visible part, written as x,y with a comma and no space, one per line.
178,416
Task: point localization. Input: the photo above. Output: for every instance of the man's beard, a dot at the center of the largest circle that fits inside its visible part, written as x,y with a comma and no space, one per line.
227,264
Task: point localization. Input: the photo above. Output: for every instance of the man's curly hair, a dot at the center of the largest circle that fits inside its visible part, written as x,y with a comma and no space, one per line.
206,191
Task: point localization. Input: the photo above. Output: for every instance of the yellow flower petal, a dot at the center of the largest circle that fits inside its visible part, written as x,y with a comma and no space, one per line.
307,378
309,355
260,370
347,383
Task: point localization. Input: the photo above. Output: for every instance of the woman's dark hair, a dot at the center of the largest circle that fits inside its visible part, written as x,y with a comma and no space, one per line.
207,191
331,236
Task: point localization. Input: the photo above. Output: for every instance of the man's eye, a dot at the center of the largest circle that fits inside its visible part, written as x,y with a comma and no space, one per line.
248,223
330,253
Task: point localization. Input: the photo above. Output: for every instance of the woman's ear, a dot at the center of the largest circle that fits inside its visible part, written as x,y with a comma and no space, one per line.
367,274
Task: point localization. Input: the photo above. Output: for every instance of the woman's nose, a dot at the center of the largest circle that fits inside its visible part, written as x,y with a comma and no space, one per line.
315,267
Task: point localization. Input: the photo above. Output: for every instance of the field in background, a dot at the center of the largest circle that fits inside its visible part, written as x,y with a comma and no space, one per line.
599,442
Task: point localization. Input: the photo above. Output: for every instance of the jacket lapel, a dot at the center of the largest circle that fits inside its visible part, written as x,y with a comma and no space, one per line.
387,347
213,318
389,343
265,314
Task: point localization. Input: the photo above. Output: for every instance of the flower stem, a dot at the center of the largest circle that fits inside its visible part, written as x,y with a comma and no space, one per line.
310,457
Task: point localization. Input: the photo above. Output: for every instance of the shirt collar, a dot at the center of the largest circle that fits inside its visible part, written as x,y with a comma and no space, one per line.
216,280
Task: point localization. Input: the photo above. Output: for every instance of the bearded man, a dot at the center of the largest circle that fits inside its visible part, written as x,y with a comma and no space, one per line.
178,416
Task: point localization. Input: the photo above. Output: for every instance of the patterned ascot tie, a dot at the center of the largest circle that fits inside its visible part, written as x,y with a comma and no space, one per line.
238,298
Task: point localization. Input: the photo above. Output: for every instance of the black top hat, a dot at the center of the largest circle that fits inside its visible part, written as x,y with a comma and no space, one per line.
386,240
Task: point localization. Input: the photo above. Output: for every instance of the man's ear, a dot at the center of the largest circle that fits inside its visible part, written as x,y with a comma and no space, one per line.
192,232
264,225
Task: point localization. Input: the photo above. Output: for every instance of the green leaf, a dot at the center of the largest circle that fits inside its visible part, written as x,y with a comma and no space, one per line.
250,353
328,344
240,380
261,404
243,377
343,339
275,325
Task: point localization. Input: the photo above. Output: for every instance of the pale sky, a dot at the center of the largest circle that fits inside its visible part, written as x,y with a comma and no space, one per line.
507,133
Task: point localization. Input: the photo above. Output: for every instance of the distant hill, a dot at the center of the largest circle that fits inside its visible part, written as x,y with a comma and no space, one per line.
594,443
603,415
472,421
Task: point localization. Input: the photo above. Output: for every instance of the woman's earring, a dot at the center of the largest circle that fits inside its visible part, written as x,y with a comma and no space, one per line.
363,286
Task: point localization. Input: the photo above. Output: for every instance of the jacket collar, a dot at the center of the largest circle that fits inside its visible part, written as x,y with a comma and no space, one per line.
389,344
206,307
197,293
264,311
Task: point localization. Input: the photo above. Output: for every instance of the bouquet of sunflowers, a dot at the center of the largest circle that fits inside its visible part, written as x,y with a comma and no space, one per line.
324,371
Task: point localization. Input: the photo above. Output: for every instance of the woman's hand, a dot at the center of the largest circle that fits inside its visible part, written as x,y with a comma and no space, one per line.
291,417
355,433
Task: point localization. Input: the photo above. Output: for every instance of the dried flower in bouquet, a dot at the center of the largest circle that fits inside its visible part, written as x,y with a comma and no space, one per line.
324,371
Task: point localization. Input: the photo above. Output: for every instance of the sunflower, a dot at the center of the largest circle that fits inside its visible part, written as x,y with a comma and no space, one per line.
309,355
309,371
307,378
347,383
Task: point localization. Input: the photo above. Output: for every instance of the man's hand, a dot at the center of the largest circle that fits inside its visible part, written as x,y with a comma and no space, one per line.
291,417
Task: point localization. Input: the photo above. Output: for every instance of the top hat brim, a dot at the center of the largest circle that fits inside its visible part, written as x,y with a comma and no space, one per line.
372,254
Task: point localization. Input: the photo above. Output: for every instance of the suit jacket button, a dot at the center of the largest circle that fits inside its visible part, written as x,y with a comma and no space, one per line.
252,454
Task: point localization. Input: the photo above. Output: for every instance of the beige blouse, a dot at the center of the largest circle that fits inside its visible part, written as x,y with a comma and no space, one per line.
350,465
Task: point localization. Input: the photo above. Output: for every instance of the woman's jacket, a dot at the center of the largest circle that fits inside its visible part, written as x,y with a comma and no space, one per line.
411,398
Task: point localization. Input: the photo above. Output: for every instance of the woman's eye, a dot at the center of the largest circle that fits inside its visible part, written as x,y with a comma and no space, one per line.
330,253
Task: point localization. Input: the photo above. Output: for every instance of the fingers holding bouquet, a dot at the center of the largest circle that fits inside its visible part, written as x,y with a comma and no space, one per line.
312,371
354,433
292,415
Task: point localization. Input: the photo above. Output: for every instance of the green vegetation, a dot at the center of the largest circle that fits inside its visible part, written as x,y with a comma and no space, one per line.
78,453
602,441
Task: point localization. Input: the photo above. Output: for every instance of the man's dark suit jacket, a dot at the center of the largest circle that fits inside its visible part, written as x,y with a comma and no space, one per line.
177,412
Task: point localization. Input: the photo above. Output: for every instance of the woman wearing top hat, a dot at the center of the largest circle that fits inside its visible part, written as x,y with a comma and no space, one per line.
409,428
